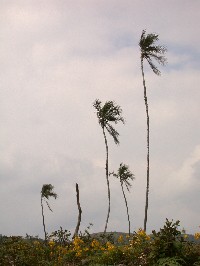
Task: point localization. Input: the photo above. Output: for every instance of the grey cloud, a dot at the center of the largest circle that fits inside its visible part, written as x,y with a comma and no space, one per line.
56,59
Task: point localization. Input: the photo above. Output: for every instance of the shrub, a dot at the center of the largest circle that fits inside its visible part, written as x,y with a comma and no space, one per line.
164,248
167,243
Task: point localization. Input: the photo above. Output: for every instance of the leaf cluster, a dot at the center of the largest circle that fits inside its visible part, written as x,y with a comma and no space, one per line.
124,174
150,51
107,114
47,192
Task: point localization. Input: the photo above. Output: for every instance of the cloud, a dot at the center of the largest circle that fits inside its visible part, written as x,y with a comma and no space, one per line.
56,59
185,178
179,192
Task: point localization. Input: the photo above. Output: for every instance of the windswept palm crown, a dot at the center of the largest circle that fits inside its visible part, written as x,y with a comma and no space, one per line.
150,51
47,192
107,114
125,175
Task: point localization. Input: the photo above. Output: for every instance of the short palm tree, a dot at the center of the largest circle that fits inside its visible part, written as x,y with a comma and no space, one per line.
125,176
149,51
46,193
107,114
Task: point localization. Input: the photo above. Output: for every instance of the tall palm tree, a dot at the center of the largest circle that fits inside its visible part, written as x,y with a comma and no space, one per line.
107,114
46,193
149,51
125,175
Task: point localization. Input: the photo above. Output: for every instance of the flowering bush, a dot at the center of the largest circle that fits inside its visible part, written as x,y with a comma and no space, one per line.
166,247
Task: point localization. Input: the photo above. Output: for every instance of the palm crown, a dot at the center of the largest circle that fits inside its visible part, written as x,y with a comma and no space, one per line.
125,175
150,51
107,114
47,192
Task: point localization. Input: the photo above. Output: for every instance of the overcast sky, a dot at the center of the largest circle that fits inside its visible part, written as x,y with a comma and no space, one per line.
56,58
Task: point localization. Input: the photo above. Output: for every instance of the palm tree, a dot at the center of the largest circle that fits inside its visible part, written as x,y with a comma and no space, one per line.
149,51
107,114
46,193
125,175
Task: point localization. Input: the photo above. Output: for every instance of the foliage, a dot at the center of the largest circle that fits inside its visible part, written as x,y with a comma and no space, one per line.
107,114
139,249
47,192
192,253
61,237
150,51
124,175
168,242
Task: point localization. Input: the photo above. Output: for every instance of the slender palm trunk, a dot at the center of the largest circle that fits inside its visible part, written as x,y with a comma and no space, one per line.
107,179
45,234
147,112
79,212
129,224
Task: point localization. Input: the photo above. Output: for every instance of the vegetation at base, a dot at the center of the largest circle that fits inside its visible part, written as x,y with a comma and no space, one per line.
167,247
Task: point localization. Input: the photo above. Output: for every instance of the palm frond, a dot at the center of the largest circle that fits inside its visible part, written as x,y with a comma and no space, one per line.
127,184
153,67
113,173
113,132
97,105
48,205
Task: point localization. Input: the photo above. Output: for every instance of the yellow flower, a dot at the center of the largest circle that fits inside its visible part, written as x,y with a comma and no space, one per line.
95,244
120,239
79,253
77,241
185,236
148,237
197,235
51,243
110,246
141,232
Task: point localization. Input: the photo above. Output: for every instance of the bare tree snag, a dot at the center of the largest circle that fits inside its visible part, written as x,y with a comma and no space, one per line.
79,214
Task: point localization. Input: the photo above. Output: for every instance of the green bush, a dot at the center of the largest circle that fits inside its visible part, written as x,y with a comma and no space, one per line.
167,243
